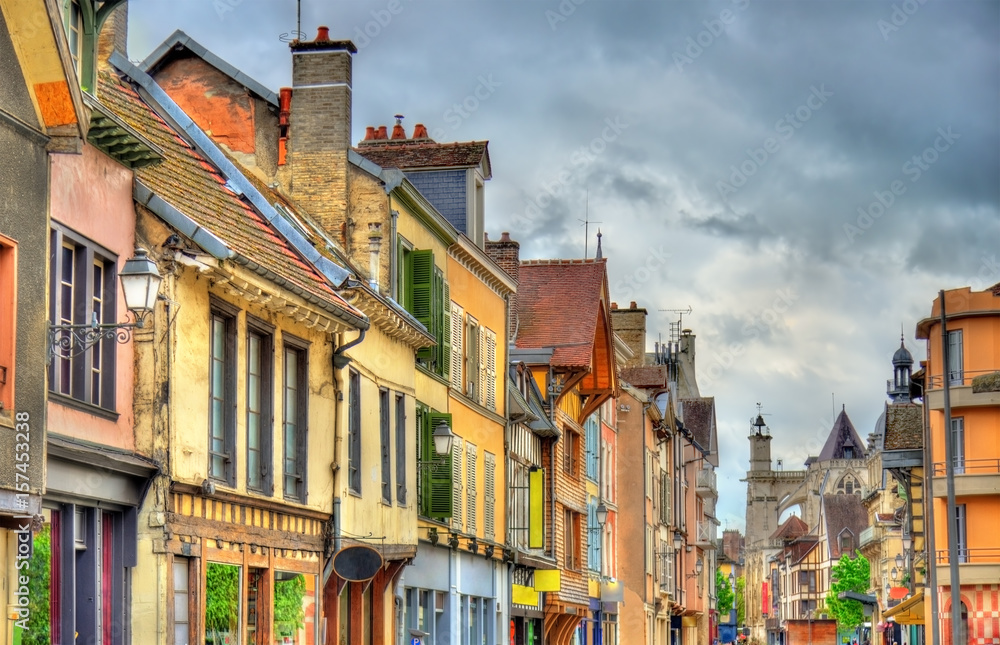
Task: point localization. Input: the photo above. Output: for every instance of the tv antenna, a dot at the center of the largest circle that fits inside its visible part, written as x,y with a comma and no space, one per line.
586,227
676,327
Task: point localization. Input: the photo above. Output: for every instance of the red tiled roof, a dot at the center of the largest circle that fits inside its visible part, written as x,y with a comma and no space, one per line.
558,306
185,180
423,154
792,528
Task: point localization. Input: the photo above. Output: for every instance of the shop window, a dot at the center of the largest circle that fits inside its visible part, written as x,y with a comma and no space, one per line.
222,603
182,600
294,608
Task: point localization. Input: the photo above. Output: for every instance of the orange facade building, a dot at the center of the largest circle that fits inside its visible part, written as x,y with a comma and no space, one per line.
971,371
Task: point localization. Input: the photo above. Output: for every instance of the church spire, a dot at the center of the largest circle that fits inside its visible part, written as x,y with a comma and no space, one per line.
599,253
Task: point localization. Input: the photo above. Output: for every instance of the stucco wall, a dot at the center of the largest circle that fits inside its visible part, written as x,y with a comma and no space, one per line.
24,220
92,195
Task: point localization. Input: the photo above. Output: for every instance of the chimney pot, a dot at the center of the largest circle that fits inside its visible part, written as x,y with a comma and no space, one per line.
383,132
505,236
420,132
632,305
369,133
398,132
323,34
614,305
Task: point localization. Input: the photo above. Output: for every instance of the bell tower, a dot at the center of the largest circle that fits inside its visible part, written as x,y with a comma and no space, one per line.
760,445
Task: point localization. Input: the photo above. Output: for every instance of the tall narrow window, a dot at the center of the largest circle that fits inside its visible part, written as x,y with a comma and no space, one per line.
354,433
8,319
958,444
383,423
591,428
471,488
961,533
490,385
955,363
295,401
259,388
489,495
182,595
222,394
83,292
457,318
571,539
472,363
570,450
401,449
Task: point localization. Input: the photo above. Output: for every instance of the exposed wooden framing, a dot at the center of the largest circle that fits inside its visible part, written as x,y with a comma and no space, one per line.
243,534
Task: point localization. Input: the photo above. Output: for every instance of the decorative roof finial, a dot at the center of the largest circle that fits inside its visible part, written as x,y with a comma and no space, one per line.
599,236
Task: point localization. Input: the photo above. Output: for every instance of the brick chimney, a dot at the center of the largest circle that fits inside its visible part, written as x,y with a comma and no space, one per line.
114,35
630,325
507,254
319,134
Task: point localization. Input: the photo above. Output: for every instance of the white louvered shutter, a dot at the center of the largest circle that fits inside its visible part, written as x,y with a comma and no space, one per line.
491,370
456,479
489,495
457,322
470,488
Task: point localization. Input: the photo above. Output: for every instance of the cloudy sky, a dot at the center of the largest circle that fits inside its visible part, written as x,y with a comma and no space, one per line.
804,175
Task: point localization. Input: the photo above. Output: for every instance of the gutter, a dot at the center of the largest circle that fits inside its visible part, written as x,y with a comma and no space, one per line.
155,95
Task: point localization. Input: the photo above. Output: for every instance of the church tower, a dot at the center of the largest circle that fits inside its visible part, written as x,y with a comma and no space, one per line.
760,445
898,388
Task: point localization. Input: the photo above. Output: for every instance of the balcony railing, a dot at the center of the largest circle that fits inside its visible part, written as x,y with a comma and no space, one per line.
705,534
969,467
870,534
984,555
959,379
705,483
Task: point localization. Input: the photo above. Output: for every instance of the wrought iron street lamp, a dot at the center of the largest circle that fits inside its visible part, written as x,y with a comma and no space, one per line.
140,282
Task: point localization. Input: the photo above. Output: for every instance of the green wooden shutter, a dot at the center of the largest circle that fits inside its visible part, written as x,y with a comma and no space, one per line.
422,296
437,494
444,344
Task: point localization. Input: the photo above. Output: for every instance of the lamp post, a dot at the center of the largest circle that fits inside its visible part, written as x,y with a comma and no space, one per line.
140,282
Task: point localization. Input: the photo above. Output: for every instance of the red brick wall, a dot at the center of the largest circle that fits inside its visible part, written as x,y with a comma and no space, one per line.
507,253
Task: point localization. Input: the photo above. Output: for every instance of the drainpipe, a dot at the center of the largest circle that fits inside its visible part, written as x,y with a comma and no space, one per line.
393,259
949,455
930,542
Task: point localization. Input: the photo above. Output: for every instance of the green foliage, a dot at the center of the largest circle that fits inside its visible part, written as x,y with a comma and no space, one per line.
724,593
741,603
222,600
38,572
849,574
289,614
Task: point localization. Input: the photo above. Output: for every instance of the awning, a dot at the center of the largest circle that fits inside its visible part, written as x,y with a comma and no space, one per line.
908,612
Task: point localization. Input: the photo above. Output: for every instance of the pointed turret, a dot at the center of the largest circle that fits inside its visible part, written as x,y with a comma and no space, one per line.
898,388
843,441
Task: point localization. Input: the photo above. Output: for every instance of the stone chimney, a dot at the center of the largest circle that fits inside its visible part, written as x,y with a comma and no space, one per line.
687,382
630,325
319,132
507,253
114,35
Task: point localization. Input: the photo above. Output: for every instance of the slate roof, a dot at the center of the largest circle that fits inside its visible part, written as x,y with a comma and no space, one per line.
646,376
843,512
558,306
409,154
189,183
903,427
801,547
842,435
699,417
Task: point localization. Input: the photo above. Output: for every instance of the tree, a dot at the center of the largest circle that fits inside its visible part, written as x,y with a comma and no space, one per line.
741,603
849,574
724,593
38,572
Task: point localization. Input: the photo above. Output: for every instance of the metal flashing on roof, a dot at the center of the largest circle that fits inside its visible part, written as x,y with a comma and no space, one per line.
179,39
532,355
158,98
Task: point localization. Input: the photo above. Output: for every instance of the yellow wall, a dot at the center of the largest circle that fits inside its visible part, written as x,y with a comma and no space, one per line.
190,386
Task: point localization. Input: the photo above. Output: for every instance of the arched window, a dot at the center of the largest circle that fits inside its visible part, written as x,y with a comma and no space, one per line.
848,485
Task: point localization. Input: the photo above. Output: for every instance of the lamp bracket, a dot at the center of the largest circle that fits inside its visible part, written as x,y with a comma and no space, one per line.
68,341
